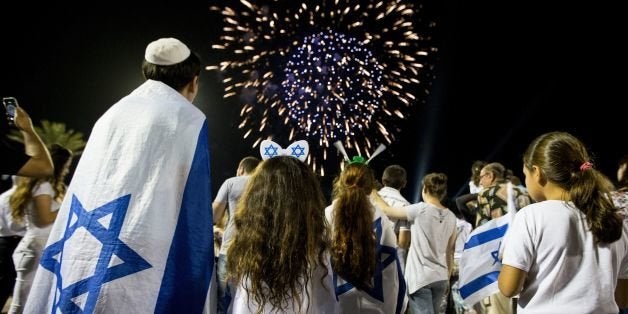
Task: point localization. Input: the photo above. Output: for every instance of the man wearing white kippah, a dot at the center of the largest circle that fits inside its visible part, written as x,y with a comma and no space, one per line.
134,232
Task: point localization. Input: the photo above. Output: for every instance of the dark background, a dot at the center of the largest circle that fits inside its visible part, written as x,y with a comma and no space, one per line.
505,72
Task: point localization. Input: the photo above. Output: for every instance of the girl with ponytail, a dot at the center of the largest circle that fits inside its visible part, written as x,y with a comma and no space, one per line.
568,252
363,246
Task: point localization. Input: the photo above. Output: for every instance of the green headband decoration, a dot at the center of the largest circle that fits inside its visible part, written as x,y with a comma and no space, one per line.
358,160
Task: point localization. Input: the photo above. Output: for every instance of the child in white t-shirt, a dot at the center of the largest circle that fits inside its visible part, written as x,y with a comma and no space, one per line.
567,253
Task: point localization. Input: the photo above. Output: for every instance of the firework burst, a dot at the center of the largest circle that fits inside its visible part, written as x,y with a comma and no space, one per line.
325,71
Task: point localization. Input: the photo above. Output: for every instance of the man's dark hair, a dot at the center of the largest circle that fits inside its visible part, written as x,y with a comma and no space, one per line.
176,75
394,176
249,164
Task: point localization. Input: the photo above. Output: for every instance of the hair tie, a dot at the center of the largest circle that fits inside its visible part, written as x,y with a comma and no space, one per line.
586,166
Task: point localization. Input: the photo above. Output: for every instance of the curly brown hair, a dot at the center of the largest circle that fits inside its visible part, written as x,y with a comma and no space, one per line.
353,238
282,233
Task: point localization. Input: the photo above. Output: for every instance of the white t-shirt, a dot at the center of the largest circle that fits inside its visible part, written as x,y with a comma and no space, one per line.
8,226
44,188
473,189
430,228
230,192
567,272
317,297
393,198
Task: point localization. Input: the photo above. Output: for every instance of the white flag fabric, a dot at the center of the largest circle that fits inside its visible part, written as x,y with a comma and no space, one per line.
388,294
480,263
134,232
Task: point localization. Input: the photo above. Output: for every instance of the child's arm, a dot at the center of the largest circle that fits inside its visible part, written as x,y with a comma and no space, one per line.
393,212
511,280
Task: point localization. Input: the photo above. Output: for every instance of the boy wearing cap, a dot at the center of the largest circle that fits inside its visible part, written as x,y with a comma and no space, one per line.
134,233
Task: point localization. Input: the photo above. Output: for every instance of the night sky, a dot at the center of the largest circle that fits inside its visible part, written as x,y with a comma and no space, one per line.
505,73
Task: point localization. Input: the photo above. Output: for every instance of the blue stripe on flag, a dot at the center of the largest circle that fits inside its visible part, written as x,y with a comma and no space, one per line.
190,265
401,295
478,283
486,236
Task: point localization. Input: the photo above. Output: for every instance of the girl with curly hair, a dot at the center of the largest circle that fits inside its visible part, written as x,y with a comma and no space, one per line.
279,257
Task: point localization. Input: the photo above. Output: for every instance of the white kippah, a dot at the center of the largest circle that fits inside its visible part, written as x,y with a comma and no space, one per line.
166,51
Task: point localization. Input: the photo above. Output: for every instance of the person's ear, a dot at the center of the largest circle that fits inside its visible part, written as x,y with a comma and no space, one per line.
195,85
538,176
190,90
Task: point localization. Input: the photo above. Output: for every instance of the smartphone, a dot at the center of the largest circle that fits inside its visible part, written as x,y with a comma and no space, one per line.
10,105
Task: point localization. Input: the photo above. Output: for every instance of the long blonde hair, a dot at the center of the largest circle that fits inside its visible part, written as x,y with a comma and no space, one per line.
23,192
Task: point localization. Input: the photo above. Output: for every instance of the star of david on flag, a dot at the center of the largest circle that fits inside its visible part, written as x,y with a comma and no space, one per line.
104,224
480,263
389,287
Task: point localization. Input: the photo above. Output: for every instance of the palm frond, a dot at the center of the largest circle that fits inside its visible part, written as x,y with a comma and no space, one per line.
55,133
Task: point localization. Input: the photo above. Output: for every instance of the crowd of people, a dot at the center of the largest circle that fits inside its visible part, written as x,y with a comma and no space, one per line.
134,232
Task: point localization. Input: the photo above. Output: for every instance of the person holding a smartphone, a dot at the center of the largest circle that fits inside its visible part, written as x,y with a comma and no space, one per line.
30,159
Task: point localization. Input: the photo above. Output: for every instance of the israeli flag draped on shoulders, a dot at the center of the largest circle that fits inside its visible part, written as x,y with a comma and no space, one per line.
480,263
134,232
388,294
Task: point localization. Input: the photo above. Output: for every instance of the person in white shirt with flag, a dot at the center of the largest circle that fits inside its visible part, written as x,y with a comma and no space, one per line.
567,253
394,179
430,260
134,232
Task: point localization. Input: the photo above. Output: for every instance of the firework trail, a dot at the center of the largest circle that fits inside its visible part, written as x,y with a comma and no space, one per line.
324,71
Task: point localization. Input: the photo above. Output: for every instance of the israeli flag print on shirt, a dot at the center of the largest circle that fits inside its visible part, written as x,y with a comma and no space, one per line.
134,232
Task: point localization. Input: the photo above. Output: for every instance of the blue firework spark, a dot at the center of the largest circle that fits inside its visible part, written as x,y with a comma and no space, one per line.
325,71
332,82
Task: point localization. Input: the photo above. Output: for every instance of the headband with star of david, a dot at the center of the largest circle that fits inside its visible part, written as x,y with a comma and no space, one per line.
298,149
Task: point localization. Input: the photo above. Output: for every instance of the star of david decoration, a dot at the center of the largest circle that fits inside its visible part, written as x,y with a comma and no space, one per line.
298,151
108,236
382,262
270,151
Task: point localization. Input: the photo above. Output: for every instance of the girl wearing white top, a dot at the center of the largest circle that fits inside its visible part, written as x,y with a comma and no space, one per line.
567,253
361,240
279,256
36,202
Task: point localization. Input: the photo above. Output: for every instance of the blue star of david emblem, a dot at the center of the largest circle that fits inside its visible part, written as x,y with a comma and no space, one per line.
270,151
377,291
131,262
298,151
495,254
